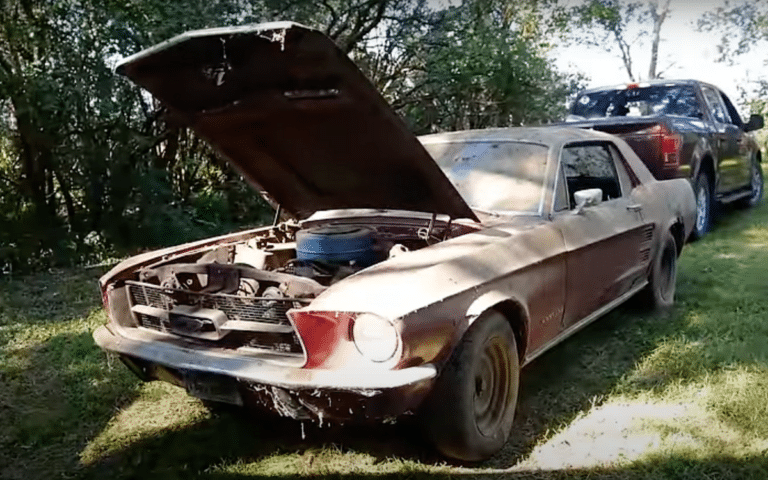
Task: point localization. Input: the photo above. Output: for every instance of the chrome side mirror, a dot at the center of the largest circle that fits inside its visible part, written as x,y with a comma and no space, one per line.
587,198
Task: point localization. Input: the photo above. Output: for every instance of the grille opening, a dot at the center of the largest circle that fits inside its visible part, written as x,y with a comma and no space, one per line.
249,309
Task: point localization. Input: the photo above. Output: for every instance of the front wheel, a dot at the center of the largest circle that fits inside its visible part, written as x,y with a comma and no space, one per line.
701,188
470,411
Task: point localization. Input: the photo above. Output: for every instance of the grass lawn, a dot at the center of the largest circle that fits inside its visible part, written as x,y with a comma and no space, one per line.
635,395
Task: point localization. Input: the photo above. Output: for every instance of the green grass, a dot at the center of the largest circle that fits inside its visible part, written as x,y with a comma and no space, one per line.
635,395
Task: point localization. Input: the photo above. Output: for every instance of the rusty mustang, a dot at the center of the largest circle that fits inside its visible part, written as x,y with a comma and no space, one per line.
412,276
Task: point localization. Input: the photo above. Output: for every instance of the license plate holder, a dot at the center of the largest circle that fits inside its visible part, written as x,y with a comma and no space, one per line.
212,387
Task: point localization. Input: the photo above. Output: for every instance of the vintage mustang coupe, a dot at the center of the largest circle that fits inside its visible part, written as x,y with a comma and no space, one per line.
415,276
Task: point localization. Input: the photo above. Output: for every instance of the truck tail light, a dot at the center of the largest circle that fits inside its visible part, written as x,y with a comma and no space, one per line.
670,145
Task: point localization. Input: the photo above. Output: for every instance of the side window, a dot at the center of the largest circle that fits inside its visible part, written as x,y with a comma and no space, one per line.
735,117
716,104
590,166
627,179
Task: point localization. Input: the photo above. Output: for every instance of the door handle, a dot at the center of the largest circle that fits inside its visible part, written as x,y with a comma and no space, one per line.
635,207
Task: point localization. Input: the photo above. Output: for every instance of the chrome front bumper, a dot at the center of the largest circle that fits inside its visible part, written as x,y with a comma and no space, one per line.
349,394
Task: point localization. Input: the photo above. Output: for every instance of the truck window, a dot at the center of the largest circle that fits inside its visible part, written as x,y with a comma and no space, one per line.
677,100
716,105
735,117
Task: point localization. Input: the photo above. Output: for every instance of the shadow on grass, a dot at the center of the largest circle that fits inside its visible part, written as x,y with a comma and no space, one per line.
65,394
669,467
554,389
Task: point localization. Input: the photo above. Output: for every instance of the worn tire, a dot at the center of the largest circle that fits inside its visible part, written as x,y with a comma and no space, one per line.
703,193
470,411
659,294
755,186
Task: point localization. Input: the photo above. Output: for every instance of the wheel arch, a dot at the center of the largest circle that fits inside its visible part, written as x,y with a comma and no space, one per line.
511,308
707,165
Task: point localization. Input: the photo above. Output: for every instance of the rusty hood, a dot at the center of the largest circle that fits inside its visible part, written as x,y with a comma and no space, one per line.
295,115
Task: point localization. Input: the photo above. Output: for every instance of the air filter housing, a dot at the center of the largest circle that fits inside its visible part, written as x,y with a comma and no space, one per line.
338,245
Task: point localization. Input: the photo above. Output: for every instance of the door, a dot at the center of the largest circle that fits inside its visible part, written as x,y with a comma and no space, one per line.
744,150
727,139
607,244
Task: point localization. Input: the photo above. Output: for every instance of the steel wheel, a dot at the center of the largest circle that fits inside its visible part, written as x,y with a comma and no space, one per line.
493,386
660,292
468,415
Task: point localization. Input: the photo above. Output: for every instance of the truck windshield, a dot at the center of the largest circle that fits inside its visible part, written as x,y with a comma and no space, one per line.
677,100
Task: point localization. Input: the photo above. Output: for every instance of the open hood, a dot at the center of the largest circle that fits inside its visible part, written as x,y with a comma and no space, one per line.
297,117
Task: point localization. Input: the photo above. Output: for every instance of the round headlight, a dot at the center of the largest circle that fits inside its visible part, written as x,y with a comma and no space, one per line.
375,337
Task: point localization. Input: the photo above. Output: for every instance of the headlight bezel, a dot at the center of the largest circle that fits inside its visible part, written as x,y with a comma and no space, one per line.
376,338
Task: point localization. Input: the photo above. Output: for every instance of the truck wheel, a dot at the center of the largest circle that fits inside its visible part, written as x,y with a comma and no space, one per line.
660,291
755,186
703,206
470,410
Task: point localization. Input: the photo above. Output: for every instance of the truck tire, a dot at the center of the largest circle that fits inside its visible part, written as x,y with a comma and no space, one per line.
470,411
755,186
703,193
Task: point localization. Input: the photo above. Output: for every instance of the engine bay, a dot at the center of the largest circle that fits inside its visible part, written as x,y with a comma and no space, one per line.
287,261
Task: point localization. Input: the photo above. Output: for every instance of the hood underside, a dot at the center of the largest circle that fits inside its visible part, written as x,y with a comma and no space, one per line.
297,118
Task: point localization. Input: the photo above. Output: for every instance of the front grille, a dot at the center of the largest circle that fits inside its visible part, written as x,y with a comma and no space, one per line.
249,309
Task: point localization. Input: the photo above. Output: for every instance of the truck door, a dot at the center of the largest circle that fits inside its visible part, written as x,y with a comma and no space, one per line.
745,152
727,137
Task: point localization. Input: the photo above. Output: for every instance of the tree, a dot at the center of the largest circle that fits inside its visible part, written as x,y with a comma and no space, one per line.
82,149
90,164
607,23
743,27
481,64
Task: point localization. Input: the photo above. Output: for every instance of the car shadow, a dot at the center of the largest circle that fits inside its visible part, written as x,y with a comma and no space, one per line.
554,389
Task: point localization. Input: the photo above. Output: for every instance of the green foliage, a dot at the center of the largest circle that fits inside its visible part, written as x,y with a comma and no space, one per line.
479,65
90,168
80,147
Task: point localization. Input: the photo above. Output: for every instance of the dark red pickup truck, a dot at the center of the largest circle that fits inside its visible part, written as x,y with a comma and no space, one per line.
682,128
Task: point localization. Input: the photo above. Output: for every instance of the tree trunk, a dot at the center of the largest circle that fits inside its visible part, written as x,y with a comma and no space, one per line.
658,14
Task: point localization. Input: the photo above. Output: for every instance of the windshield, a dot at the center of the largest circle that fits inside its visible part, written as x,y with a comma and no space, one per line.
679,100
495,176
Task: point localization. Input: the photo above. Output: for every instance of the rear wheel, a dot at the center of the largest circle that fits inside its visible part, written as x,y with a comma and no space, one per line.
701,188
755,186
470,411
660,291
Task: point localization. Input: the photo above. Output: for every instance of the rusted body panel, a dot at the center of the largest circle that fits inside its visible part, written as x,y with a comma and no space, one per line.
353,312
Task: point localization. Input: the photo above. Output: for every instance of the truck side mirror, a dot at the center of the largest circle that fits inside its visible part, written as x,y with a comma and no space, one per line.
755,122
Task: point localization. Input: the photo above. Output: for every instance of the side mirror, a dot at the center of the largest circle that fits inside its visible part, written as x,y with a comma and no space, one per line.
755,122
587,198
